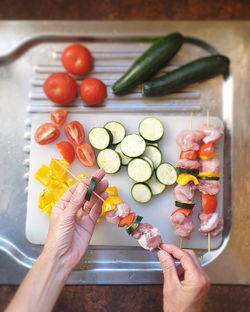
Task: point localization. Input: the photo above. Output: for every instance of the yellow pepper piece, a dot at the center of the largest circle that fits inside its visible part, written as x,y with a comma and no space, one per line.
209,157
57,187
98,220
208,174
112,191
185,178
43,175
48,208
81,176
109,204
70,181
57,171
44,198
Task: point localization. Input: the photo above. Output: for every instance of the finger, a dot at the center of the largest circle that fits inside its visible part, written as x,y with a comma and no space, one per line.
96,209
99,174
168,267
99,189
76,200
67,195
194,257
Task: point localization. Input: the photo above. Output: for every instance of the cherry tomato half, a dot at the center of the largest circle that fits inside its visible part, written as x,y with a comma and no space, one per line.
209,203
60,88
67,151
58,117
77,59
186,212
74,132
93,91
86,154
206,149
189,154
46,134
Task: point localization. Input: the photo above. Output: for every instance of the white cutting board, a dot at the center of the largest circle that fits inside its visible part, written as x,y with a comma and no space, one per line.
157,211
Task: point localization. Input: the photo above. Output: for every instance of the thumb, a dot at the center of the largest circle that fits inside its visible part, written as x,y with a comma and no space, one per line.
76,200
168,266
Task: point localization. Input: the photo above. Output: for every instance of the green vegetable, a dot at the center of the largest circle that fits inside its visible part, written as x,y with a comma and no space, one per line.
132,227
90,188
209,178
184,205
186,170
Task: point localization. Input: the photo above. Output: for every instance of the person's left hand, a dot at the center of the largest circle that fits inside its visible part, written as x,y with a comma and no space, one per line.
71,227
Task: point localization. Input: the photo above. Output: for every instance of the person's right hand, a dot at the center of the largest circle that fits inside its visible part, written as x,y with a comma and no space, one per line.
185,286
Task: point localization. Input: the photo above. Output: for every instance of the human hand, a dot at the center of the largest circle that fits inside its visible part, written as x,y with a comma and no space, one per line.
71,227
185,286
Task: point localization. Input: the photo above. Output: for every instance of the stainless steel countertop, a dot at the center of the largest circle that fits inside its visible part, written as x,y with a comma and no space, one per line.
231,38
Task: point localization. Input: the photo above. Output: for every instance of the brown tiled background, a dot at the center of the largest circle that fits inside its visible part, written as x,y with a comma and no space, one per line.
120,298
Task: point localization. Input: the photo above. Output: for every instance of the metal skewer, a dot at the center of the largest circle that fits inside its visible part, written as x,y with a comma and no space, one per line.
208,235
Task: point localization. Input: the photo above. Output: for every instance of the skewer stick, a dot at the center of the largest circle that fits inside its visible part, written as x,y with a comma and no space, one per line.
191,120
209,235
75,177
181,239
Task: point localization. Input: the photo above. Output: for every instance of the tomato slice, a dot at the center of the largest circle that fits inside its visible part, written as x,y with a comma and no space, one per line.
46,134
189,154
206,149
128,220
75,132
209,203
186,212
58,117
67,151
86,154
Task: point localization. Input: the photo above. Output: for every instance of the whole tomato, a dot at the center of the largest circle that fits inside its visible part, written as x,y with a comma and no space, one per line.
77,59
93,91
60,88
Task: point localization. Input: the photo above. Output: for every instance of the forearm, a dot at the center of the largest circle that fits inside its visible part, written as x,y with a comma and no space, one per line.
41,287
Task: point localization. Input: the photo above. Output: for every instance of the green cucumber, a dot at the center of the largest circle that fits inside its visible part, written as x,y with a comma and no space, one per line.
199,70
209,178
132,227
149,63
186,170
90,188
184,205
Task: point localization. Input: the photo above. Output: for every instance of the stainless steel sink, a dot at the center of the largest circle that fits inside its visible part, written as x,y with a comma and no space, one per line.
31,50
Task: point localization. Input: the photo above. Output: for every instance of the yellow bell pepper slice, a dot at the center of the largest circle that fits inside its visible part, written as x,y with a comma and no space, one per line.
112,191
185,178
70,181
109,204
57,171
81,176
43,175
209,157
208,174
48,208
44,198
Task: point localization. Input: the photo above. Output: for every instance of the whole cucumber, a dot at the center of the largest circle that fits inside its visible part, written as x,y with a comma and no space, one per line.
149,63
196,71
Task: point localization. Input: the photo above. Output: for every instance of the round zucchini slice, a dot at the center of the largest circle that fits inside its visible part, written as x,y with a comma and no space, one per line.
132,227
148,160
186,170
155,186
154,154
125,159
100,138
117,129
141,193
139,170
151,129
109,160
133,145
166,174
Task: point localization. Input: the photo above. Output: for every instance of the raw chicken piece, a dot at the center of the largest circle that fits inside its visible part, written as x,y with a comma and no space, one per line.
148,236
209,221
183,225
112,218
212,133
122,210
218,229
187,163
185,193
189,139
212,164
211,187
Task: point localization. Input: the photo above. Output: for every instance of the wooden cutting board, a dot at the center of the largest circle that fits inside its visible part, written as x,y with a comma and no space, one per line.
157,211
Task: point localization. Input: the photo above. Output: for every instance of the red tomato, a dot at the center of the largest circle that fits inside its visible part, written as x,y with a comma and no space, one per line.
189,154
209,203
186,212
46,134
77,59
58,117
93,91
86,154
60,88
74,132
206,149
67,151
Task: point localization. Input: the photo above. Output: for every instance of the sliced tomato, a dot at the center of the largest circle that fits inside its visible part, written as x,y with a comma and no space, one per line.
67,151
77,59
129,219
186,212
60,88
209,203
58,117
75,132
93,91
189,154
46,134
206,149
86,154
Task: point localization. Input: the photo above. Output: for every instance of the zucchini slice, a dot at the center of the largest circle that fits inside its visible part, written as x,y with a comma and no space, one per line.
186,170
166,174
148,160
209,178
133,145
117,129
184,205
100,138
132,227
155,186
154,154
109,160
90,188
139,170
152,143
141,193
125,159
151,129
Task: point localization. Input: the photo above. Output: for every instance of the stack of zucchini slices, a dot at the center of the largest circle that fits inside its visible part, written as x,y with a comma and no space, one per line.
139,152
